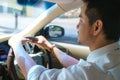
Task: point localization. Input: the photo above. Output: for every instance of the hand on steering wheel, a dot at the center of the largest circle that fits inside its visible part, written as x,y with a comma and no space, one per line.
40,42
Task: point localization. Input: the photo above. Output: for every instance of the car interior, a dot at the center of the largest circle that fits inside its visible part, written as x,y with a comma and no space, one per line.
53,24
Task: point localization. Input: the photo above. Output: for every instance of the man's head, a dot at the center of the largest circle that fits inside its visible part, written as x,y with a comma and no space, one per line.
104,16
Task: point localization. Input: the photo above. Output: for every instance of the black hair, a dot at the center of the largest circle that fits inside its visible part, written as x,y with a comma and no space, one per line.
108,12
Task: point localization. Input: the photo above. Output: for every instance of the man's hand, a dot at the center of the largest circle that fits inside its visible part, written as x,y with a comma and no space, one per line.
40,41
15,40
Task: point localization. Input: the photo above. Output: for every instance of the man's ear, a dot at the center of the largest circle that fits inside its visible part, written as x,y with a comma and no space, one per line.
97,27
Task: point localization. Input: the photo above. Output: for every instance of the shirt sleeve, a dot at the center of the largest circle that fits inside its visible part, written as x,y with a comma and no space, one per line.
35,72
81,71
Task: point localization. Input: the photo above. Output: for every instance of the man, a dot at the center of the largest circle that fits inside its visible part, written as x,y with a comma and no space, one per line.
98,28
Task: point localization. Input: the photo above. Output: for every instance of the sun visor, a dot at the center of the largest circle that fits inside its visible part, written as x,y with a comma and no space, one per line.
67,5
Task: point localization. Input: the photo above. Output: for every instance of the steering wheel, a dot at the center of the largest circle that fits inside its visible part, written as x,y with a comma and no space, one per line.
37,54
40,56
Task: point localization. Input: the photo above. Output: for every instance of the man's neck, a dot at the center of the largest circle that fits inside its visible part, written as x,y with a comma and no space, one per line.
100,44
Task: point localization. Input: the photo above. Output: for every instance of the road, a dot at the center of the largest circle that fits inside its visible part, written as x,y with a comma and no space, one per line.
9,21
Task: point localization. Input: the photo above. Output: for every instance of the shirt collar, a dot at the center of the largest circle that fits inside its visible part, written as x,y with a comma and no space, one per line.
101,51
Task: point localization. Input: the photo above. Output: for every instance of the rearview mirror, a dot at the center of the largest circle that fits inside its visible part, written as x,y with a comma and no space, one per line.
28,2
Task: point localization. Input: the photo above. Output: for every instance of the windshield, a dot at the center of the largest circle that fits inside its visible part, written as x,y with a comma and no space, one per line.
14,17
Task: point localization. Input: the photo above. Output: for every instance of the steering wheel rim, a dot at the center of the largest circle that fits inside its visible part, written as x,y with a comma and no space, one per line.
10,66
30,50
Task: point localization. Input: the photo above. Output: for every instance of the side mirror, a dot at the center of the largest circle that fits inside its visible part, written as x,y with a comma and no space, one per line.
28,2
54,31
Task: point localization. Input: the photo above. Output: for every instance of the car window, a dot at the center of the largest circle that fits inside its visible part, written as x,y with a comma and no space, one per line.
15,17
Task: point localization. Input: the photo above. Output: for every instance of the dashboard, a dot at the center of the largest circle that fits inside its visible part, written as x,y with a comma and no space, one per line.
4,50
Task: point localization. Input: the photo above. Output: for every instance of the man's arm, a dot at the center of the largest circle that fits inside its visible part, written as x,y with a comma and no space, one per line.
24,61
63,58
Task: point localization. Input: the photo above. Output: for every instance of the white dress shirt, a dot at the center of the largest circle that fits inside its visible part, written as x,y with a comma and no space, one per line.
101,64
